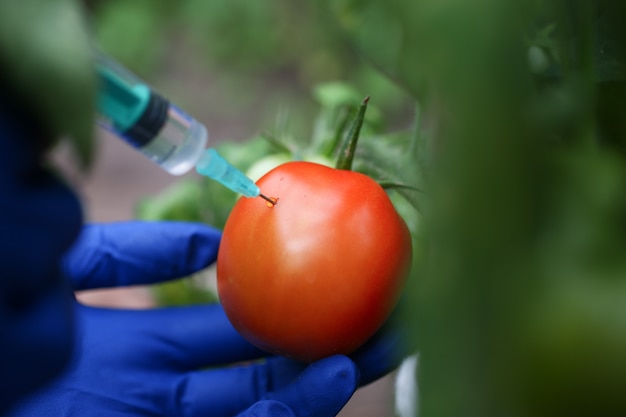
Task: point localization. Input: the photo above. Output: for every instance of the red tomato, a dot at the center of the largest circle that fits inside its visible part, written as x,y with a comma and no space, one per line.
318,273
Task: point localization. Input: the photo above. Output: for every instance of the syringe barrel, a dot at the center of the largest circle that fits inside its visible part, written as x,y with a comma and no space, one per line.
178,144
134,112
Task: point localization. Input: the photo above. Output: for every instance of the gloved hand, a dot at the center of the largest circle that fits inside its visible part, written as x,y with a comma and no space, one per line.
185,361
39,218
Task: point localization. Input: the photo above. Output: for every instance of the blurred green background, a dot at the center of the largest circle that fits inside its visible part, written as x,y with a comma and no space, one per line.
248,69
508,116
518,295
256,59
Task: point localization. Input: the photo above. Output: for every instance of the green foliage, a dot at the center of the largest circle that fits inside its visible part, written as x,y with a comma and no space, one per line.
390,161
180,202
240,34
516,161
45,59
275,49
190,290
518,309
387,32
135,32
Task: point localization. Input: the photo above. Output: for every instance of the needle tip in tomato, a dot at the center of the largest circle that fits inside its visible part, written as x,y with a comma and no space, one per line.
271,201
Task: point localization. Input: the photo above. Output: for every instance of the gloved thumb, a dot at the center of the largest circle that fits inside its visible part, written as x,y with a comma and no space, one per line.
139,252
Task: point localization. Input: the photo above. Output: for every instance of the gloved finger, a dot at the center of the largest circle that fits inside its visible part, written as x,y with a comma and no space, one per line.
380,355
132,253
268,408
385,350
224,392
322,389
319,389
176,338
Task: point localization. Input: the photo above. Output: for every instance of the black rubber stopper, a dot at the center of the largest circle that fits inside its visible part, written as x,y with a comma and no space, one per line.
150,122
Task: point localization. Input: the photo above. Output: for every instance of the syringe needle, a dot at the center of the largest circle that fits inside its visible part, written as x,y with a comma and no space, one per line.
212,165
272,201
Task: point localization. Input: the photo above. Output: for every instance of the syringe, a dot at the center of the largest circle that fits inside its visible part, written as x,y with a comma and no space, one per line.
212,165
129,109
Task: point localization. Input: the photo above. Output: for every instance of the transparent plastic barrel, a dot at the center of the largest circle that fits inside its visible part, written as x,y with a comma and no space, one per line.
179,144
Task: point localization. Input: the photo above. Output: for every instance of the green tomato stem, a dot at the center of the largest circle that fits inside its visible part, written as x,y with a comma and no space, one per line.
346,151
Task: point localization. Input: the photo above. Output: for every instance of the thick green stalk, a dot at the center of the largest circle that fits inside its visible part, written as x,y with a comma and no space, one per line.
346,152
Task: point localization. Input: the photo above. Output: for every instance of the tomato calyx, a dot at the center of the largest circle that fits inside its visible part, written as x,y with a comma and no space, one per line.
348,147
334,144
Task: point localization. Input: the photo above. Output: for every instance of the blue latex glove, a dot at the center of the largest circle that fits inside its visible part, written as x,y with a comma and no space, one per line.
39,219
179,361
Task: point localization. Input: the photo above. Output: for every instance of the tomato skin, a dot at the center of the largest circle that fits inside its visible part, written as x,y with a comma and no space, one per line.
318,273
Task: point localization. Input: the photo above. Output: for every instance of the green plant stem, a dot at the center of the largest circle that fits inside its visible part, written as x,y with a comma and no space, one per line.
346,152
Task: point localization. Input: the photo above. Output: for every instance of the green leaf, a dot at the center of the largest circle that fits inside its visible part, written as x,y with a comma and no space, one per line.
134,32
386,160
180,201
390,185
280,146
336,94
183,292
329,129
387,33
609,37
46,57
339,104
